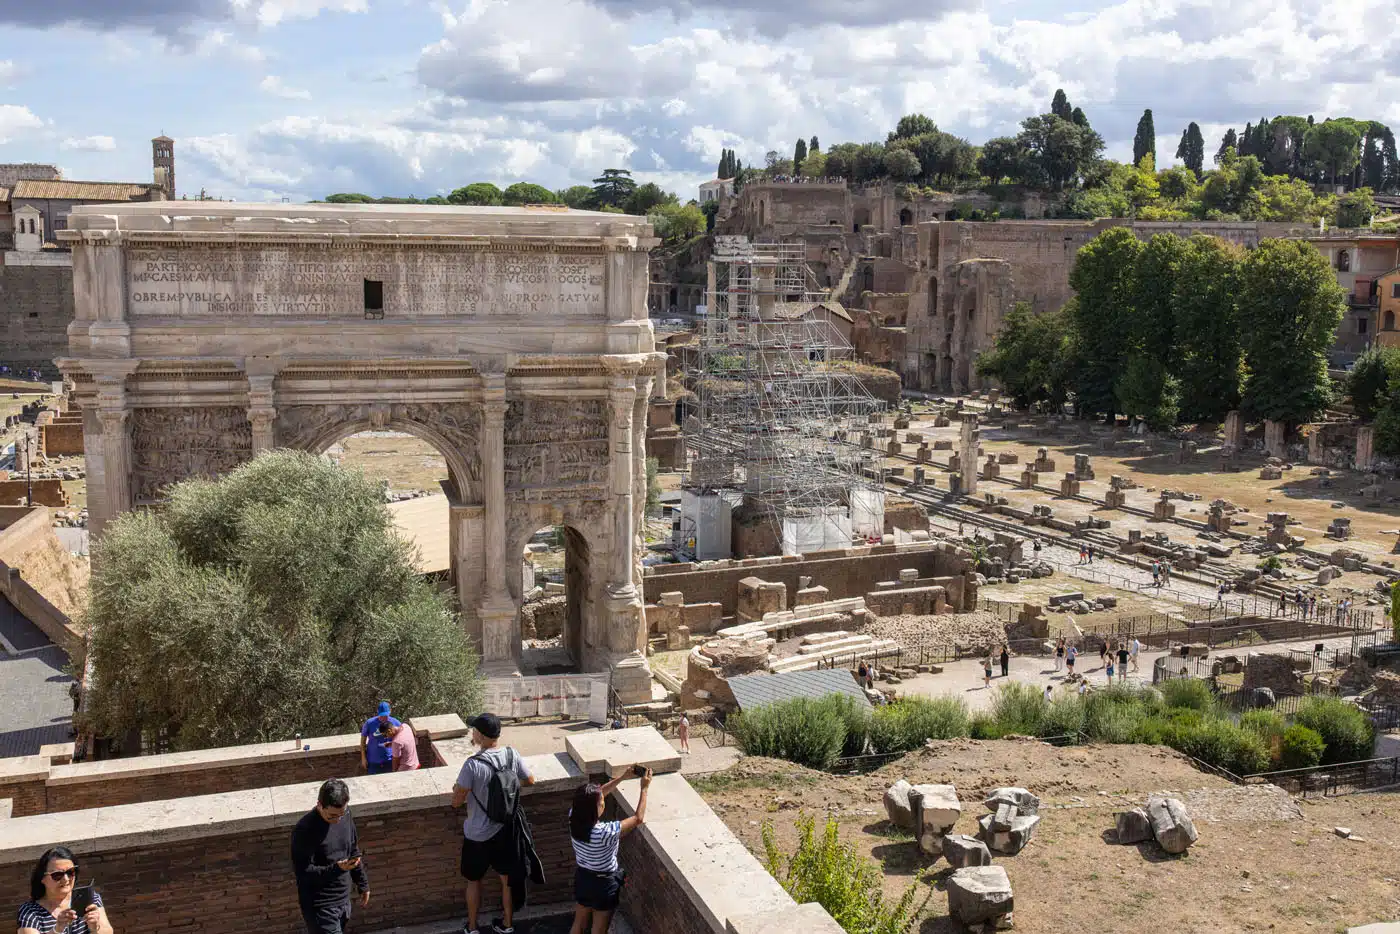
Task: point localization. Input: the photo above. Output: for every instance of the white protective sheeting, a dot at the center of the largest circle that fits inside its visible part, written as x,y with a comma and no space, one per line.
709,515
868,513
804,534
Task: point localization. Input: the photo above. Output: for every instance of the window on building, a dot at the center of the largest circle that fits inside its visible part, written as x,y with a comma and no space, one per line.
1388,322
374,298
1343,261
1394,288
1361,325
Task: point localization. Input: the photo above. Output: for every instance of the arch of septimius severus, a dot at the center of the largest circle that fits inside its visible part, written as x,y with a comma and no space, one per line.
514,340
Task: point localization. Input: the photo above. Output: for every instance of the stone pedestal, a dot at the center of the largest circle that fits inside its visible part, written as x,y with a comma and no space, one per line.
1044,463
1164,509
1069,485
1029,478
1114,499
991,469
1275,434
1234,433
967,452
1082,468
1365,447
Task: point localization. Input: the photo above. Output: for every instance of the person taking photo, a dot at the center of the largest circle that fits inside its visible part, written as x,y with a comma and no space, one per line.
50,909
598,880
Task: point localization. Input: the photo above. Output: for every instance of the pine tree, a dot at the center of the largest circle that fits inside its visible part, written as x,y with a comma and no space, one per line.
814,146
1078,118
799,154
1228,141
1145,140
1246,141
1192,149
1060,105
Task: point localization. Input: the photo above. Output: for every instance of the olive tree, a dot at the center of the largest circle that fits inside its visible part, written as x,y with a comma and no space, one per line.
273,601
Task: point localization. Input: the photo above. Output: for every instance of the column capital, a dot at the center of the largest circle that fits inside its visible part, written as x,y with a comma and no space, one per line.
113,419
624,366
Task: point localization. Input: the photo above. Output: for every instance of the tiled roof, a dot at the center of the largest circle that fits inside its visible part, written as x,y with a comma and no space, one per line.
80,191
4,194
757,690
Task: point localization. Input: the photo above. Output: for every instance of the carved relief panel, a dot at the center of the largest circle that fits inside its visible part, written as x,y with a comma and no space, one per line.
557,449
169,445
457,424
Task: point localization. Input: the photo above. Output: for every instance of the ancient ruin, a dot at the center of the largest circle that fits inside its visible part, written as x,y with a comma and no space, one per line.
201,340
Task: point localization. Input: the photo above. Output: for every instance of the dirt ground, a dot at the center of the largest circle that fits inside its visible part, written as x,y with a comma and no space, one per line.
1263,863
405,461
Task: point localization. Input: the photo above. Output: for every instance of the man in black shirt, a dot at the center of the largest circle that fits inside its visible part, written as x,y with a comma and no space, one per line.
326,858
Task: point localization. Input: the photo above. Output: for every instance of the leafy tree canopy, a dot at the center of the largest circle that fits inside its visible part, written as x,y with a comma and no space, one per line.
273,601
528,193
613,187
480,193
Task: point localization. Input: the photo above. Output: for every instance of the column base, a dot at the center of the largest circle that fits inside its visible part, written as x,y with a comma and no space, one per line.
631,678
500,630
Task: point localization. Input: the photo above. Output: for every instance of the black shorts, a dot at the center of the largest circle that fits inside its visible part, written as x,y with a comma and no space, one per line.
479,856
597,890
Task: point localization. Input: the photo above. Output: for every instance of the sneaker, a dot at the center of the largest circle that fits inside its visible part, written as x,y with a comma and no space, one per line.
497,929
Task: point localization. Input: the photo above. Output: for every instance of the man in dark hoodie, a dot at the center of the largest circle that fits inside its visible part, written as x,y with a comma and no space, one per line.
326,859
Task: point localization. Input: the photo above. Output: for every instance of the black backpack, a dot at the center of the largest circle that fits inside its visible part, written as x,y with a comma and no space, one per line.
503,791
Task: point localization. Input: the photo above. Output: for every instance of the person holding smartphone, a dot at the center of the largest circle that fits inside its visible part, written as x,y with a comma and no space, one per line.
55,906
326,858
598,880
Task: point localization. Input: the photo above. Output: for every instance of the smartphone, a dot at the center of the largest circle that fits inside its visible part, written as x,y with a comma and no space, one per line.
82,898
639,770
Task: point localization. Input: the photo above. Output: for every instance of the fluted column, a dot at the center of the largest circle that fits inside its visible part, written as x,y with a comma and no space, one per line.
622,398
262,402
499,634
116,453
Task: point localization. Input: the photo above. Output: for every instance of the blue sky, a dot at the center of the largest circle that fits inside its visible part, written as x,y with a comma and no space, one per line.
298,98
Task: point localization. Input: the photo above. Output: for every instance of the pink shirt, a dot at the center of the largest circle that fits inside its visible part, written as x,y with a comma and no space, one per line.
404,749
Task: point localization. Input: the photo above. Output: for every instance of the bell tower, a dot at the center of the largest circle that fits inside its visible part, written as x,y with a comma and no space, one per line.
163,164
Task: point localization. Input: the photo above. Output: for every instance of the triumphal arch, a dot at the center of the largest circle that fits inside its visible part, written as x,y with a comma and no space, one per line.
514,340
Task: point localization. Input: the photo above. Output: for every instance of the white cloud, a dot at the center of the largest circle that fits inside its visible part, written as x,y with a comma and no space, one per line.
89,144
16,121
220,43
9,73
273,12
274,85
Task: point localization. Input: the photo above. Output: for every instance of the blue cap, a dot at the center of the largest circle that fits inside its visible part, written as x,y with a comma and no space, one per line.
383,708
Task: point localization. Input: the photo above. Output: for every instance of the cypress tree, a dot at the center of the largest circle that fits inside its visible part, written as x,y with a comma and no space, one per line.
1060,105
1228,141
1078,118
1192,149
1145,140
799,153
814,146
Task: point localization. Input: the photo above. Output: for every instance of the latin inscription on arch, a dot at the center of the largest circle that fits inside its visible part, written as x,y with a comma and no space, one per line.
243,281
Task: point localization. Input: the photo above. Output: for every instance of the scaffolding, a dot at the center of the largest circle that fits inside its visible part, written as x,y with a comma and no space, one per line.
777,422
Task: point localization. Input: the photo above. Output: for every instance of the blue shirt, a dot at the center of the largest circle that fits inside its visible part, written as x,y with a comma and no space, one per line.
377,748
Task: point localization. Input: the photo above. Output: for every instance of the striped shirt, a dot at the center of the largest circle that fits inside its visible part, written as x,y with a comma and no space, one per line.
599,854
36,916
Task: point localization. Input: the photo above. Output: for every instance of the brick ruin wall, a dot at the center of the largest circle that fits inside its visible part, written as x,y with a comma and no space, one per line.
36,307
62,438
841,573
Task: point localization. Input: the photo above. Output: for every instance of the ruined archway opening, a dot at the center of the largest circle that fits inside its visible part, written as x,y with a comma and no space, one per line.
557,598
415,479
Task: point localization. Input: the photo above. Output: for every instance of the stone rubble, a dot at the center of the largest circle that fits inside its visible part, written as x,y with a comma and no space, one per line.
979,894
1171,825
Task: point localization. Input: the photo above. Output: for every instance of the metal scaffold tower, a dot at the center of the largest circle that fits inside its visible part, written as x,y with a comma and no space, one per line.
777,421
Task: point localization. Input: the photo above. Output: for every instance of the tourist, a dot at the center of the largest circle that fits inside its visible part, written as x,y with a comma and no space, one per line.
403,748
326,859
375,756
490,844
1083,687
1071,653
1049,693
1083,554
1156,574
49,908
598,879
861,674
987,671
1005,660
1133,652
1108,670
1035,547
1060,654
683,732
1123,654
1103,652
1090,551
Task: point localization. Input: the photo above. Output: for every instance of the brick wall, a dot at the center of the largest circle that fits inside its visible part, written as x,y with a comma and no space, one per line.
845,576
122,789
62,438
242,883
27,797
46,492
36,307
654,900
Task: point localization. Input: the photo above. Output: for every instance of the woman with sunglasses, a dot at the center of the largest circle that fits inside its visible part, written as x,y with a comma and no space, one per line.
48,910
598,880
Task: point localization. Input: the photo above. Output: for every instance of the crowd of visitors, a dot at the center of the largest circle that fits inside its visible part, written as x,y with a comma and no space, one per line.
331,871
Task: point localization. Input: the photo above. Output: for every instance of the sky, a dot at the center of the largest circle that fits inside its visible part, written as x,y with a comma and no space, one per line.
296,99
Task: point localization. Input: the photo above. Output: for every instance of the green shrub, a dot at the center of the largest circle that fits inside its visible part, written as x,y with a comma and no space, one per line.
908,722
1113,723
1154,731
835,876
1018,708
856,717
1187,692
1269,726
1222,744
984,726
1300,748
1347,731
802,730
1063,716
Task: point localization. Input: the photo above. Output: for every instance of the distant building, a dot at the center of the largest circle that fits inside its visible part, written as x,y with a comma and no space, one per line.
36,276
1387,291
1359,258
716,189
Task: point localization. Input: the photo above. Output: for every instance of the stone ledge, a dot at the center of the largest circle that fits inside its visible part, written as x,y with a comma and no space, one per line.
610,751
58,753
24,769
196,759
7,806
718,874
441,726
810,918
